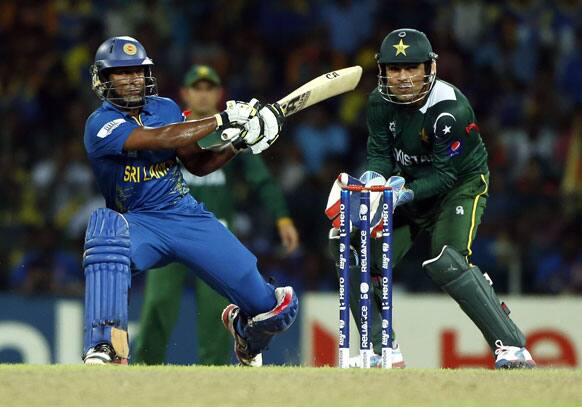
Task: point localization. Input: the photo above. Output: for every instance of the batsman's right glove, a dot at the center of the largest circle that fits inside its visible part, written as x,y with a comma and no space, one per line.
260,132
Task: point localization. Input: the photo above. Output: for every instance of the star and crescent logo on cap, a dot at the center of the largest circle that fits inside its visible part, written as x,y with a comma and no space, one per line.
401,48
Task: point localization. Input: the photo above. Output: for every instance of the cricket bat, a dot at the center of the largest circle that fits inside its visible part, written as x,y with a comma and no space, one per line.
321,88
317,90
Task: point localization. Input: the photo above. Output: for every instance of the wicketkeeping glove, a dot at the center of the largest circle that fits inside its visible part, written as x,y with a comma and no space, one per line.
332,208
400,195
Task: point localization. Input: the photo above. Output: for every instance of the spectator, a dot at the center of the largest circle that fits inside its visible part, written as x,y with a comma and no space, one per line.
45,268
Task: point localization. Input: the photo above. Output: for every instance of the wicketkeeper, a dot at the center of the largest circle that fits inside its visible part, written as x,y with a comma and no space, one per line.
423,132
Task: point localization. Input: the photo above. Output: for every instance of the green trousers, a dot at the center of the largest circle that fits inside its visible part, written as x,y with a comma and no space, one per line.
163,295
452,220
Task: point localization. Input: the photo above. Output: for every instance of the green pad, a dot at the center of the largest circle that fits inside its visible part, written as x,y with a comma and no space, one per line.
475,295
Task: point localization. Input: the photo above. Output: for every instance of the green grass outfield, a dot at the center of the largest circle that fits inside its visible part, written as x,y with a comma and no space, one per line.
164,386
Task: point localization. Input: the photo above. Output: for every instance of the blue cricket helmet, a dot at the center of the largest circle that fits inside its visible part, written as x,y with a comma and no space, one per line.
119,52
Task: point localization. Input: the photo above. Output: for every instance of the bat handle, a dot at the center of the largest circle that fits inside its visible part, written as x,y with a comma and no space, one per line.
239,144
279,109
230,133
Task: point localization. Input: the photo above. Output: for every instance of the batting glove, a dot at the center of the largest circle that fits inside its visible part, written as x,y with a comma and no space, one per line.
260,132
237,113
263,131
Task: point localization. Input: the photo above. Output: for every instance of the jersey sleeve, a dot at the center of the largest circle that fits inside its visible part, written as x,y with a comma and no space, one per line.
105,134
380,142
258,176
175,112
448,132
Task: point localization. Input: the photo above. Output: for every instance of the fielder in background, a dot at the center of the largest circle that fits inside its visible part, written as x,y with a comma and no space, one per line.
201,94
423,131
133,142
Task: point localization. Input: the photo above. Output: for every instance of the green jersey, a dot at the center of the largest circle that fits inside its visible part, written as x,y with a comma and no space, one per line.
434,147
215,190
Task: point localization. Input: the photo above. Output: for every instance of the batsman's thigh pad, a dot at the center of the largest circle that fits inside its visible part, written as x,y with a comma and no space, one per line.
475,295
107,263
259,329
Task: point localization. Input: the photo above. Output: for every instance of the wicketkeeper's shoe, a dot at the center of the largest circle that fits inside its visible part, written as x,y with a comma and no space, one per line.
376,360
512,357
102,354
246,358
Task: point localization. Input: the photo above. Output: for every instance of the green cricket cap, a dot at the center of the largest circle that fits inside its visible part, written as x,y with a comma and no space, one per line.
201,73
405,46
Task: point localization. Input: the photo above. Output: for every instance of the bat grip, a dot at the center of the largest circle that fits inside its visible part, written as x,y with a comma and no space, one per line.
239,144
279,109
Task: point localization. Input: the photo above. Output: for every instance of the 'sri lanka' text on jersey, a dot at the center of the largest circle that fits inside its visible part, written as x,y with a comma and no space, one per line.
134,180
433,147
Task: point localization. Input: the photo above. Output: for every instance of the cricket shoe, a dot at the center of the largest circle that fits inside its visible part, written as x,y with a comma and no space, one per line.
103,354
229,316
512,357
376,360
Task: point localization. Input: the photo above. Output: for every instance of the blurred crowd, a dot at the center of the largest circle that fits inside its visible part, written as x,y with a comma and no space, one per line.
519,62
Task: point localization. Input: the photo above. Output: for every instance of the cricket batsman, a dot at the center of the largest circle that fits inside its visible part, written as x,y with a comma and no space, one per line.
133,142
424,138
202,93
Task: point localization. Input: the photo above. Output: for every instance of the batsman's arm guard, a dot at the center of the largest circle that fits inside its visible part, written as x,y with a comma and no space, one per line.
107,262
475,295
259,330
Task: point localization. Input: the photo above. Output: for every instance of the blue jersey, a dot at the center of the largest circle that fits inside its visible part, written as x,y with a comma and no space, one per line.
134,180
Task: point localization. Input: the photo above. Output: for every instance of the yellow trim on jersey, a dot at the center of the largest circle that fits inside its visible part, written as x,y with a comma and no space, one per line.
138,120
474,215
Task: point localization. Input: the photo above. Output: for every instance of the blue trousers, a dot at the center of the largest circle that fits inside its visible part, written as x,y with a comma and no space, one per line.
191,235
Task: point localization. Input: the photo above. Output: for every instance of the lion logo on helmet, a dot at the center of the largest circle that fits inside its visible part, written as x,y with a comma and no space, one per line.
129,49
